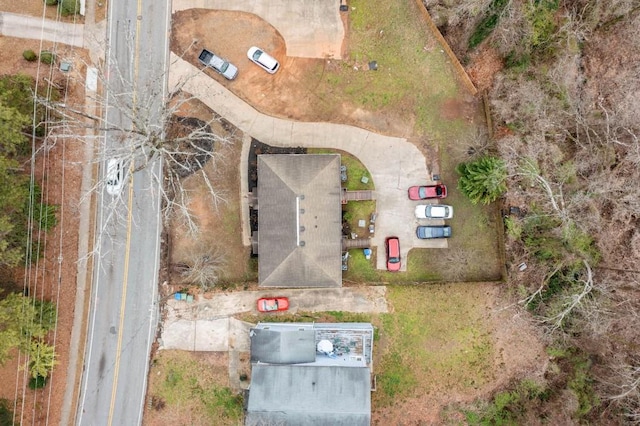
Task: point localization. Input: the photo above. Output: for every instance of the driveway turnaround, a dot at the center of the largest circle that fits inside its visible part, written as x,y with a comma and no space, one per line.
394,163
311,28
206,325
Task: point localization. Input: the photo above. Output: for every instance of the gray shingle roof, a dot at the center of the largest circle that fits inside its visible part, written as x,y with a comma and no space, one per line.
301,395
299,221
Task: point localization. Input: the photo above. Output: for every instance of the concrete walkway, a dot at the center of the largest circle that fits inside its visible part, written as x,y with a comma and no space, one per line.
394,163
206,325
310,28
22,26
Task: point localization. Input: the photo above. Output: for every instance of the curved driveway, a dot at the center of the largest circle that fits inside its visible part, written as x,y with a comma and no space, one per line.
394,163
310,28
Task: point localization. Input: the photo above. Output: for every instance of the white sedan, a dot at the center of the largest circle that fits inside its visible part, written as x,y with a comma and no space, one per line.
434,211
115,176
262,59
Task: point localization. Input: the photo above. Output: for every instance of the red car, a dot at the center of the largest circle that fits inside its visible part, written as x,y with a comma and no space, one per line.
426,192
271,304
392,245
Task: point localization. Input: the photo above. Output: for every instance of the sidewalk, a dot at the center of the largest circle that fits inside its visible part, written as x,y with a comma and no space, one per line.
394,163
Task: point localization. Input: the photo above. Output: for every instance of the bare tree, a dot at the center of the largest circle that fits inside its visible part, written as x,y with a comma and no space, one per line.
146,133
202,265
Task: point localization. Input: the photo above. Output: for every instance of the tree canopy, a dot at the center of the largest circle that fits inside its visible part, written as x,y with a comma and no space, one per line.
483,180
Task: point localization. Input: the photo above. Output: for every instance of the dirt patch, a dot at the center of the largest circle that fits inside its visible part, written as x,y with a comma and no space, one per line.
230,34
219,216
484,64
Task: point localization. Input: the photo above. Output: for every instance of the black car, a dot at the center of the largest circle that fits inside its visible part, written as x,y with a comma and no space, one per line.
428,232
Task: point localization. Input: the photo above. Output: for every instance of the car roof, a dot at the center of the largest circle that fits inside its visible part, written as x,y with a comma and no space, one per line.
267,60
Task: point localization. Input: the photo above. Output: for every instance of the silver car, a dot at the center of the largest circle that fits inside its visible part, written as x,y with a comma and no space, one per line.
262,59
218,64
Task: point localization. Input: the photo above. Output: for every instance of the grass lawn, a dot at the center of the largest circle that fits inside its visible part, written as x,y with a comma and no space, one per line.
414,77
437,340
187,388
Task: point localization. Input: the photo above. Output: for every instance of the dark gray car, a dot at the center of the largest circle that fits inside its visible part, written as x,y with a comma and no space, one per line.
428,232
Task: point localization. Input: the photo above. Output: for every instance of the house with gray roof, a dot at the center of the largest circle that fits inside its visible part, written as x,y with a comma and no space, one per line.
310,374
299,237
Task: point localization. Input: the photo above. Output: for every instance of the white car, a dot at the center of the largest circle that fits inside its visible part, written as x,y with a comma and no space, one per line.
115,176
434,211
264,60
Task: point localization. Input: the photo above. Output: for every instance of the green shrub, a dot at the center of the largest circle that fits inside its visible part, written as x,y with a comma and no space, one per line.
51,2
488,23
47,57
514,228
30,55
37,382
69,7
6,413
509,407
517,62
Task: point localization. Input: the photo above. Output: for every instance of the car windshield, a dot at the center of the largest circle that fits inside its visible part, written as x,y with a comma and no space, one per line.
394,259
270,305
422,192
438,190
256,55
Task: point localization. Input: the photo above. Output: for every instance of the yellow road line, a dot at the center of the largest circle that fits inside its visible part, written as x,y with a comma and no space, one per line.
123,301
129,226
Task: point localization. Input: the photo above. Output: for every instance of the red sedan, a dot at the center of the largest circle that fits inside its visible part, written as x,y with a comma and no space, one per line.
426,192
271,304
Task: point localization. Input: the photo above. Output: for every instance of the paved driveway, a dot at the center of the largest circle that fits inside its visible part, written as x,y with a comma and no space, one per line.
394,163
310,28
206,325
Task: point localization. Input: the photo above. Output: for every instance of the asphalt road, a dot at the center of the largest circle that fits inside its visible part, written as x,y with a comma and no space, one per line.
123,317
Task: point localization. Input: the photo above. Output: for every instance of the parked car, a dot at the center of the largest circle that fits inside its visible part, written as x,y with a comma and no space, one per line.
392,246
429,232
218,64
115,176
263,60
434,211
426,192
272,304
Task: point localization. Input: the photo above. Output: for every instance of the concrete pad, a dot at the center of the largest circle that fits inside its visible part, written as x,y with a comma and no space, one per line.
199,335
239,340
310,28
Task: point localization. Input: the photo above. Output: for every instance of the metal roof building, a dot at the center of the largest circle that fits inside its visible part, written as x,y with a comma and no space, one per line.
292,383
295,395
